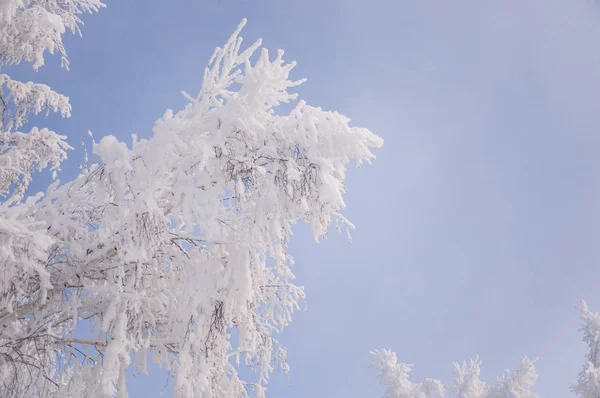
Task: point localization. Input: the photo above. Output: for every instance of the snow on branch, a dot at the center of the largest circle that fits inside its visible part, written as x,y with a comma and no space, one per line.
30,28
26,98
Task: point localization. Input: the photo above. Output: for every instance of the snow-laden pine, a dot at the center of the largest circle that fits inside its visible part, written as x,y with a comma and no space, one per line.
514,383
171,249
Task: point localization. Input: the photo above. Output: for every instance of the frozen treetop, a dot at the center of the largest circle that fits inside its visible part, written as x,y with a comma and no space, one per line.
588,384
516,383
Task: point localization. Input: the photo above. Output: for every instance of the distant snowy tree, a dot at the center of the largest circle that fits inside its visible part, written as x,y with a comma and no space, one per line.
467,384
516,383
588,384
395,377
167,246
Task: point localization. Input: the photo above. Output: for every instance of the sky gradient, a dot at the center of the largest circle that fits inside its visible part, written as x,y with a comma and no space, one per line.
477,225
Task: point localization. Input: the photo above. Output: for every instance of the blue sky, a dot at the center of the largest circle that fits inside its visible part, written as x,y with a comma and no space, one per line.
478,223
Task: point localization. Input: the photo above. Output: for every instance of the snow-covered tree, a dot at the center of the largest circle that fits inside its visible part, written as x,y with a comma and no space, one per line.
395,377
588,384
515,383
28,28
173,248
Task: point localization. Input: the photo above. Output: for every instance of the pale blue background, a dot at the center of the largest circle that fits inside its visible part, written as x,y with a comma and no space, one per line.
478,223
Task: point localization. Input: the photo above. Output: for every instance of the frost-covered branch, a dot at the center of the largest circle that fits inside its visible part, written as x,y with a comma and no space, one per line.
23,153
26,98
27,30
30,28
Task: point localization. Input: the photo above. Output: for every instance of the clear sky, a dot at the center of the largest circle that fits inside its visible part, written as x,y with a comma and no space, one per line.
478,223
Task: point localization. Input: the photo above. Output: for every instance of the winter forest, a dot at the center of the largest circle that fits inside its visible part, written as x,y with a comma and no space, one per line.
173,196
